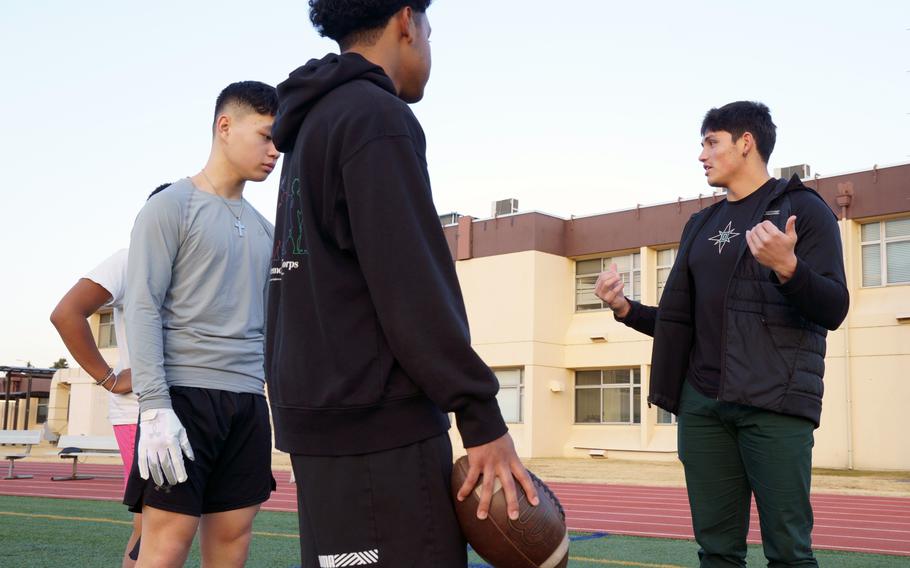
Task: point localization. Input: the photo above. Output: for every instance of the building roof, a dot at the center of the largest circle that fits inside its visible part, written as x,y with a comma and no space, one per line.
875,192
18,379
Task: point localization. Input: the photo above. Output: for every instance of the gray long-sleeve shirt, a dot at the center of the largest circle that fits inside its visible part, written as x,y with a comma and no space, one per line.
195,295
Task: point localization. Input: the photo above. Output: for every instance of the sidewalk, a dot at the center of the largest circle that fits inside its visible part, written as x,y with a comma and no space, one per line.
670,474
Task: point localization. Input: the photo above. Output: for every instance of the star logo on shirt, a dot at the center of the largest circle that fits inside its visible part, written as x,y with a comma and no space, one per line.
723,237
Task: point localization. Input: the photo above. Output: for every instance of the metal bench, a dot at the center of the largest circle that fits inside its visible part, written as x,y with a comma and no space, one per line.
27,438
75,447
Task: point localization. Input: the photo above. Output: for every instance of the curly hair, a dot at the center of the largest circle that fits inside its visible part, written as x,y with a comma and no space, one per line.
349,21
740,117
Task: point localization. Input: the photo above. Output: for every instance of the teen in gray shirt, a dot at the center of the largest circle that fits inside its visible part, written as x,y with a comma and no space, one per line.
196,295
198,268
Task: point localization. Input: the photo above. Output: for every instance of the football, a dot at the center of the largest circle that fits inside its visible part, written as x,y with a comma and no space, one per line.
537,539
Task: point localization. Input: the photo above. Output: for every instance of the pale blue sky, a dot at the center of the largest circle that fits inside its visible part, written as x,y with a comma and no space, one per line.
571,107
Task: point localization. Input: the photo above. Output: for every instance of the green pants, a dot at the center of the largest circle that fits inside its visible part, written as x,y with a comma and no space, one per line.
730,452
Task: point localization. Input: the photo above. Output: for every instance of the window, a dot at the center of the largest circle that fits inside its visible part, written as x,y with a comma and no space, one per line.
665,259
886,252
41,411
106,336
586,271
608,396
510,393
664,417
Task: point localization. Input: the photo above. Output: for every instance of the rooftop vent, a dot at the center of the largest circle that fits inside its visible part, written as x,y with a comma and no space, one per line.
802,170
505,207
450,218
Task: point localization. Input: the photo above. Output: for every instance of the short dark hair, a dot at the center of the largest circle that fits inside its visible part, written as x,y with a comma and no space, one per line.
351,21
740,117
254,95
158,190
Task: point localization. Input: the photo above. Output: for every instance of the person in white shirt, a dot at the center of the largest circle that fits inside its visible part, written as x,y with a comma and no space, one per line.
104,287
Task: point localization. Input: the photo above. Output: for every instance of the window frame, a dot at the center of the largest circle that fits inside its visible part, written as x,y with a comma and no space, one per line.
605,262
107,335
632,385
882,242
43,402
520,388
658,267
673,418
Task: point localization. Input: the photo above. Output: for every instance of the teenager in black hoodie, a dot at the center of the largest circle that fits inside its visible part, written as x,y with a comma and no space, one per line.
739,342
367,346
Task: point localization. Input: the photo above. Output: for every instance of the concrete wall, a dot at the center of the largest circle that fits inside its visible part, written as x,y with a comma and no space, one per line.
866,380
87,404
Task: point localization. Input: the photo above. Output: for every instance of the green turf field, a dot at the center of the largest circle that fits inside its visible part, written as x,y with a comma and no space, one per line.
39,532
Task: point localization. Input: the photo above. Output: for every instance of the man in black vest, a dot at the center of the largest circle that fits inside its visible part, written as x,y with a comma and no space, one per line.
739,342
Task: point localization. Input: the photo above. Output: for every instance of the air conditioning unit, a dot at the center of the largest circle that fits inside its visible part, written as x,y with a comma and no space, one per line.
450,218
802,170
505,207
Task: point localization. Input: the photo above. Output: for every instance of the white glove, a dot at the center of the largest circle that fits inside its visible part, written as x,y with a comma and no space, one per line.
162,443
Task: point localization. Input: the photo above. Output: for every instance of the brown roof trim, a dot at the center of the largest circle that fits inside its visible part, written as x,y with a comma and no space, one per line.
645,226
875,192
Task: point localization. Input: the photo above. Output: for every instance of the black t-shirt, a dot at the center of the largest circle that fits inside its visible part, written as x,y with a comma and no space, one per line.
712,260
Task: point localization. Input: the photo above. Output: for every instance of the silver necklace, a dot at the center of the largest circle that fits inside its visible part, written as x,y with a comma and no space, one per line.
237,224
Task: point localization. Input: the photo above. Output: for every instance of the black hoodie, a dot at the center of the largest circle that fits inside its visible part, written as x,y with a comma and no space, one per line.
367,345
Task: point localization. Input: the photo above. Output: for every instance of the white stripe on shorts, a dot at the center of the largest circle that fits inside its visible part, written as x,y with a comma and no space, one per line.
364,558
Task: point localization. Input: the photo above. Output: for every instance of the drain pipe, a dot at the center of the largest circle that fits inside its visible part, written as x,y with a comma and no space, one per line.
844,199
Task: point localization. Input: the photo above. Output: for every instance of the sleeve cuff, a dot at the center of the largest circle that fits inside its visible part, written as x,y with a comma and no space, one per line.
154,403
796,282
631,316
481,422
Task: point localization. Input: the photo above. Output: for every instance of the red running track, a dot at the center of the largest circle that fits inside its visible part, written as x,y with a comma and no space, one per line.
879,525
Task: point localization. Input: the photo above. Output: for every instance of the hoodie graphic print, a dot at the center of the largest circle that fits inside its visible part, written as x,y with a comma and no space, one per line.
289,245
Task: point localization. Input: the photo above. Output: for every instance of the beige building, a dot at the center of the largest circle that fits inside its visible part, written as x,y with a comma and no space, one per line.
574,382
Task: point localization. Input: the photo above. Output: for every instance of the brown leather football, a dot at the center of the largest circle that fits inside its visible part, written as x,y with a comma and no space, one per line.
537,539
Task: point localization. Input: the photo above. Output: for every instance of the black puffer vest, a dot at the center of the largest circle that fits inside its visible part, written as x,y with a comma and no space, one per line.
773,357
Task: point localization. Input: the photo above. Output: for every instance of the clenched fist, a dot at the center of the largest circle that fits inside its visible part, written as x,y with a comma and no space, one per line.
609,288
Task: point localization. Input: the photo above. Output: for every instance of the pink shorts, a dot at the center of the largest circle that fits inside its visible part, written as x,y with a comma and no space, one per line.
126,440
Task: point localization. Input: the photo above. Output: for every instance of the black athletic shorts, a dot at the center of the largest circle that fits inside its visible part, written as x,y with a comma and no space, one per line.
231,439
389,509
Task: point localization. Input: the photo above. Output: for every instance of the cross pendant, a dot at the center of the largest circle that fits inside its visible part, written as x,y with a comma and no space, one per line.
240,227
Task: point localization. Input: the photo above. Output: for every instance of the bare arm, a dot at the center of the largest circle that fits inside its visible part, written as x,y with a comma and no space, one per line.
70,319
